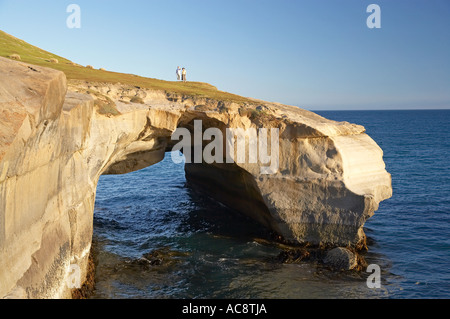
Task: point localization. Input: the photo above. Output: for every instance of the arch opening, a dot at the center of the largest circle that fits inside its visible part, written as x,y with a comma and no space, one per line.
153,229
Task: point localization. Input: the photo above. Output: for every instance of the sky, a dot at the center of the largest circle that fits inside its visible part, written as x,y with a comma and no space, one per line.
315,54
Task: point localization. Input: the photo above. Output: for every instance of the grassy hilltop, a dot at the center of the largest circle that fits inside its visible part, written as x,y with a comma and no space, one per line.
11,47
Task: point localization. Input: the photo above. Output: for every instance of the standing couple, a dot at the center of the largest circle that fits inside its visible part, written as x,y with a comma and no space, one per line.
181,74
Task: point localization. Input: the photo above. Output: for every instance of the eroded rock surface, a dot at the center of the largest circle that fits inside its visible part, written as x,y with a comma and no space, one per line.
54,146
341,259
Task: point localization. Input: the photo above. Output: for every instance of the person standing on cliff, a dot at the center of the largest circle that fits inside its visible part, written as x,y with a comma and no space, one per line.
178,73
184,75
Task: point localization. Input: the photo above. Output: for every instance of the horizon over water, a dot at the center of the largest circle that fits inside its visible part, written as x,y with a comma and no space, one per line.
210,251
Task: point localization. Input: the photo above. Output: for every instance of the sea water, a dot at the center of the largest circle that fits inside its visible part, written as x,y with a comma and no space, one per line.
210,251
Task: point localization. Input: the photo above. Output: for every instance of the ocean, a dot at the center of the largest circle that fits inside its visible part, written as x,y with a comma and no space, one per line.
201,249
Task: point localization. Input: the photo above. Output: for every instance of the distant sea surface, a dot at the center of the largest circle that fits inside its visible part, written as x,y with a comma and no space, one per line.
209,251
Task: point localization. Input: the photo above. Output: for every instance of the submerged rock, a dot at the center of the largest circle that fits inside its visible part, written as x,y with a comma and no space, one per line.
163,257
293,256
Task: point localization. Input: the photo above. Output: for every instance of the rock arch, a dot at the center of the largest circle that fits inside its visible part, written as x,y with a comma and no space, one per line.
54,146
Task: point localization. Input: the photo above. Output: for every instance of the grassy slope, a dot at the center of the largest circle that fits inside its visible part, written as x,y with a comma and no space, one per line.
30,54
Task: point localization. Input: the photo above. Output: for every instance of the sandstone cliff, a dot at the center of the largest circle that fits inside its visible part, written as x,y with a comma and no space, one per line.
56,140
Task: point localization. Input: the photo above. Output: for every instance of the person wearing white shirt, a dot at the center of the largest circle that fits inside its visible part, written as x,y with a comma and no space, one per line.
178,74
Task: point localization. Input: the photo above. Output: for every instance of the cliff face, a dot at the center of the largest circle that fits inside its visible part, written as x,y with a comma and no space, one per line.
54,146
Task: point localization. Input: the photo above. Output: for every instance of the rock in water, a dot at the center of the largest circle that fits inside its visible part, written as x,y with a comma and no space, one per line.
341,259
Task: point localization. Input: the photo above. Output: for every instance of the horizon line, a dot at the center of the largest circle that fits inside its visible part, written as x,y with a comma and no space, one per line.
371,110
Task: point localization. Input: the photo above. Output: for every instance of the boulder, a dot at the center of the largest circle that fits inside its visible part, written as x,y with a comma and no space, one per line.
341,259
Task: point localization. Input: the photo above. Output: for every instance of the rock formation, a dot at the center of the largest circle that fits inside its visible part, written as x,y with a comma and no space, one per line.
55,143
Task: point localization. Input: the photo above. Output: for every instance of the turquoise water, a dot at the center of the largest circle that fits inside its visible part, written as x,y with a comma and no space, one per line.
214,251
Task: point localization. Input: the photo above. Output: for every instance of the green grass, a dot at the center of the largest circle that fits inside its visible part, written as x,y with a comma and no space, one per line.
28,53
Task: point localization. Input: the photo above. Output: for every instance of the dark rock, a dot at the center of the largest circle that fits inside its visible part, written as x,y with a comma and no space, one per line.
341,259
293,256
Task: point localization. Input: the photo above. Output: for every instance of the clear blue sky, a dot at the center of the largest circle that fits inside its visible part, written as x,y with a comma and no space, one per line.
313,54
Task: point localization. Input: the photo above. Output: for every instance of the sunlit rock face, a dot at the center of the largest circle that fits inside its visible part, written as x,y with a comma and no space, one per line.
328,177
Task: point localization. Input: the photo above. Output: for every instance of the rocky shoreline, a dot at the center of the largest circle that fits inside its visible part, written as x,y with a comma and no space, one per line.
88,287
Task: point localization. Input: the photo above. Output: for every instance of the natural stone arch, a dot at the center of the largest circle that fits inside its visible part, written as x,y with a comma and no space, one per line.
54,147
227,182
